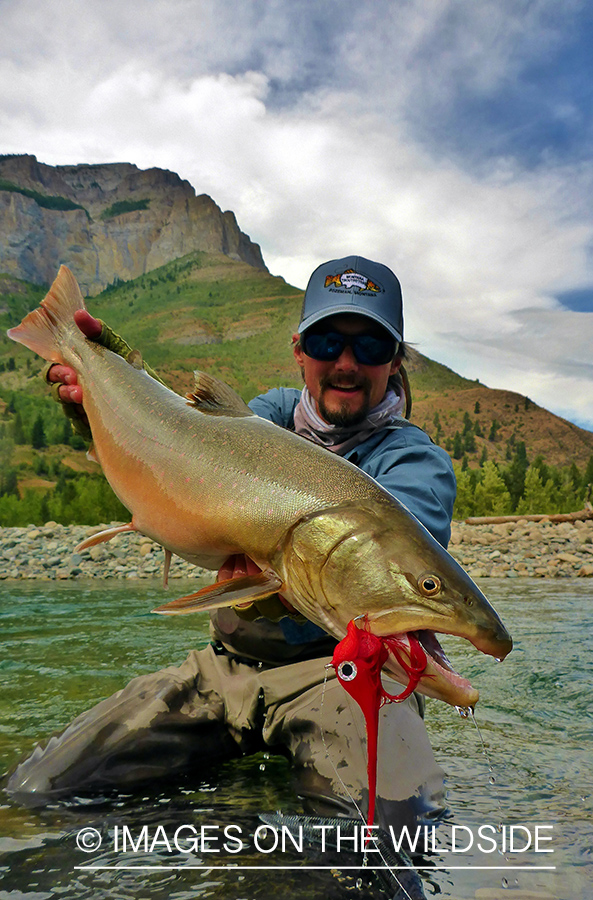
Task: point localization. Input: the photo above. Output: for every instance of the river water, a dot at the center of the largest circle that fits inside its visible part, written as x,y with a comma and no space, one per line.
522,771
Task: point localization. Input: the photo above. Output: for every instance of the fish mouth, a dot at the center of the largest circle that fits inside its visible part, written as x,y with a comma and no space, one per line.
439,679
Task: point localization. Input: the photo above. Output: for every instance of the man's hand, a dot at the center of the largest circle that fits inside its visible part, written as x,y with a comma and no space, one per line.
70,390
273,607
237,566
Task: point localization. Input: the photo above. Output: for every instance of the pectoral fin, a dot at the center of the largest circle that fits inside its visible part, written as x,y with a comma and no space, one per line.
106,535
246,589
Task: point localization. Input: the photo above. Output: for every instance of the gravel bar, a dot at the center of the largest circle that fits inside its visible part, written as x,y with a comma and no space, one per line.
510,550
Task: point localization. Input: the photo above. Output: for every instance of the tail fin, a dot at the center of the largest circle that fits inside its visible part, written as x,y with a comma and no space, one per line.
44,329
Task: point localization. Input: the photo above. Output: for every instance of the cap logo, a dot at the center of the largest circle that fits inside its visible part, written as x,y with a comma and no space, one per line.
351,280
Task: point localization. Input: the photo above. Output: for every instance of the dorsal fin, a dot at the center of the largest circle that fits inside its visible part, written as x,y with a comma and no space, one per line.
216,398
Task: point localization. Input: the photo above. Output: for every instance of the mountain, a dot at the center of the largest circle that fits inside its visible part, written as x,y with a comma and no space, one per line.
108,223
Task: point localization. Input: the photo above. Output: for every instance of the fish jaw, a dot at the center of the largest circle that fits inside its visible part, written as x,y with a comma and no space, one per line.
439,680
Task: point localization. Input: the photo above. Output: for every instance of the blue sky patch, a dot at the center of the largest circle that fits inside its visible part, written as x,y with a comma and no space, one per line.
578,300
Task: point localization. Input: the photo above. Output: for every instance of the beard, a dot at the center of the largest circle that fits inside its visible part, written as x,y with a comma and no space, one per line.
344,416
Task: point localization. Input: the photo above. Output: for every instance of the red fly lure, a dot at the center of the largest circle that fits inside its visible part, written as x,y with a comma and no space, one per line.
358,660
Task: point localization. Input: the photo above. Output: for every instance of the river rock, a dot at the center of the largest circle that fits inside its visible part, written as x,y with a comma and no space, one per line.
508,550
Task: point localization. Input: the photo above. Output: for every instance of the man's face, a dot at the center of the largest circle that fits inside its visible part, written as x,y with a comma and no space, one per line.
344,389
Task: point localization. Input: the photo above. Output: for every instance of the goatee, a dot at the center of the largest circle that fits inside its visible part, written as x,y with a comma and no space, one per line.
344,417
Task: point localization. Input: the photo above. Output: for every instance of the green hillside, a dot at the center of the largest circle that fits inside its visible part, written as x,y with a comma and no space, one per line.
209,312
201,311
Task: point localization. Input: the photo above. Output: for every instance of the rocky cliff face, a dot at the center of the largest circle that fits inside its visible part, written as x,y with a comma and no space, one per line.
106,222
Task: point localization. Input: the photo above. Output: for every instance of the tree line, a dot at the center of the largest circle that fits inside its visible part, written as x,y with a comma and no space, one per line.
519,486
75,499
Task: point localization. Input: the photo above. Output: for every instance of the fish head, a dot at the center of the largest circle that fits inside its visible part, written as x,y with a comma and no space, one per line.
378,562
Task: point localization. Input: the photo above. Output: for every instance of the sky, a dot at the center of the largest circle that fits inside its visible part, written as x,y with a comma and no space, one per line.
451,140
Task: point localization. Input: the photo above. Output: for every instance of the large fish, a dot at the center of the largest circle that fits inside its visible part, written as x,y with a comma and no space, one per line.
206,478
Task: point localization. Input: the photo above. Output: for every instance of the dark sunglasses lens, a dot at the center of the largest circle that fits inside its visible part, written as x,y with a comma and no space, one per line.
368,349
323,347
373,351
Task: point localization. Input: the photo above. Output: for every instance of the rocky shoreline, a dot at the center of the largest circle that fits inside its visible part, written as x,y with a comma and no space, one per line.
524,549
509,550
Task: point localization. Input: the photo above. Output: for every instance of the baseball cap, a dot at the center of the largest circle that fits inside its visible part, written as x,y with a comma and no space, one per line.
354,285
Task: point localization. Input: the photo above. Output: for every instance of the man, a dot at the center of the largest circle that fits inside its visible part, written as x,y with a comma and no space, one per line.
262,684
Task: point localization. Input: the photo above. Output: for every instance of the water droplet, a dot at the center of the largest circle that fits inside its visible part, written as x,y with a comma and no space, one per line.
492,779
262,767
463,711
505,882
359,883
499,827
266,755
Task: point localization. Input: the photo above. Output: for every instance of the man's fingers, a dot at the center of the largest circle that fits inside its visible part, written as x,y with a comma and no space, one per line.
237,566
89,326
62,374
70,393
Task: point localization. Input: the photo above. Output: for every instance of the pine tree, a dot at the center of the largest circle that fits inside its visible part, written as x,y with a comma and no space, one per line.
464,502
18,432
588,476
491,495
469,442
38,441
66,435
514,474
538,497
8,484
44,513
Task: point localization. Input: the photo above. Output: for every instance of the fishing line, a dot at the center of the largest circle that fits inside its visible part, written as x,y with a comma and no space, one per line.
337,774
365,860
469,713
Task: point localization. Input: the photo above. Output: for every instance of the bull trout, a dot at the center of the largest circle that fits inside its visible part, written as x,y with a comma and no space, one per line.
206,478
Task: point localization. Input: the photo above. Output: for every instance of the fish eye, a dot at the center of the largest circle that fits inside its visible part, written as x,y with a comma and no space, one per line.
347,671
429,585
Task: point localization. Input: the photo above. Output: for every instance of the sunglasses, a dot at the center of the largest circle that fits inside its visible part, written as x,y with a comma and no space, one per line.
368,350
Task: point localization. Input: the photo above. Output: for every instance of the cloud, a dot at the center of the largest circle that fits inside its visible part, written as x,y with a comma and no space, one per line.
326,129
